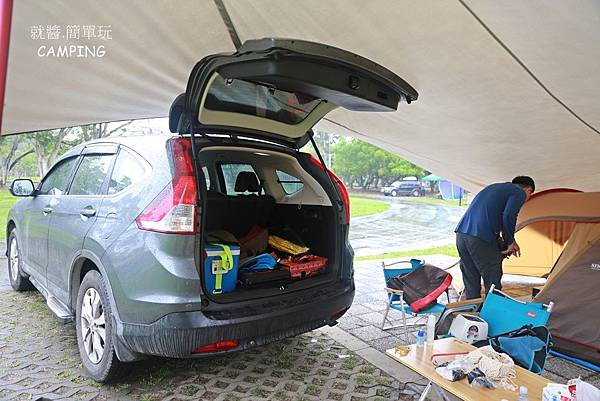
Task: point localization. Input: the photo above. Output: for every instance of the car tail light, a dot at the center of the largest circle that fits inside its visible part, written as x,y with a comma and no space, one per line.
338,314
173,210
216,347
340,184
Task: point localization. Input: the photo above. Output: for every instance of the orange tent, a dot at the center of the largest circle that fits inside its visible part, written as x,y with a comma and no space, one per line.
545,225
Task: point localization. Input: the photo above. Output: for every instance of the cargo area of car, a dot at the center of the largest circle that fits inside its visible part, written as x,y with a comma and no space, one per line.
264,204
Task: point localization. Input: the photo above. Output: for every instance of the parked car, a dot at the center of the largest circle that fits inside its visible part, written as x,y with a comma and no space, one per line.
114,236
404,188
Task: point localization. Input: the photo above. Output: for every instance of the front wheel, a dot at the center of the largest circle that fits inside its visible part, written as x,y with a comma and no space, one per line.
94,330
15,262
394,193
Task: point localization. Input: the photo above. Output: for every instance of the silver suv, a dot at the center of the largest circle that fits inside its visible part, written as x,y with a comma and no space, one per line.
114,236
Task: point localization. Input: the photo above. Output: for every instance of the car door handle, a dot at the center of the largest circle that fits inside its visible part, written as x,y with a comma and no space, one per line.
47,210
88,212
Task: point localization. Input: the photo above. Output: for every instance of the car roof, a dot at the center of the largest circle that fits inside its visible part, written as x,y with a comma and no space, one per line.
145,145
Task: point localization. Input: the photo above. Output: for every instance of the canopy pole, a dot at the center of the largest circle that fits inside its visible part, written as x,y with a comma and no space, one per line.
5,19
235,38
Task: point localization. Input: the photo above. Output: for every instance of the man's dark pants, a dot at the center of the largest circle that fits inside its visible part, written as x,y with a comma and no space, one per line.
478,259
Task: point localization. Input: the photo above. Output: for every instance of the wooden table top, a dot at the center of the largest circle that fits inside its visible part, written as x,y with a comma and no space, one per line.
419,360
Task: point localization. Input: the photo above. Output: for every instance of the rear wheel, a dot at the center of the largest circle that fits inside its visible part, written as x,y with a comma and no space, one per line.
416,193
94,330
15,272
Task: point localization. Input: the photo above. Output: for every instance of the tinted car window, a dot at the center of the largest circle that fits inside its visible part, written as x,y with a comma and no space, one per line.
57,180
237,96
128,170
230,173
289,183
90,175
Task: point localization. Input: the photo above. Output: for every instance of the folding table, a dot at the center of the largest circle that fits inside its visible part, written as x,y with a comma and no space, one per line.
419,360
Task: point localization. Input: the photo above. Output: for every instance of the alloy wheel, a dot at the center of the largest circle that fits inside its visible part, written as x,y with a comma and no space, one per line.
93,325
13,256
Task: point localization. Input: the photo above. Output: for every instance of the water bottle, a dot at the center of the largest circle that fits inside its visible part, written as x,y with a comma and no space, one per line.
523,394
430,329
420,338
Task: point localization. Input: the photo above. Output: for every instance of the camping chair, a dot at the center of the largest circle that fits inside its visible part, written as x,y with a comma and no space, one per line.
395,300
504,313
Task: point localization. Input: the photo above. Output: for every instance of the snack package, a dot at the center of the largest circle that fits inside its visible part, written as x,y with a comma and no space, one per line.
582,391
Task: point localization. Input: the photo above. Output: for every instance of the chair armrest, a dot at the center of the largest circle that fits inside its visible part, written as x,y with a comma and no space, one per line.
393,291
474,301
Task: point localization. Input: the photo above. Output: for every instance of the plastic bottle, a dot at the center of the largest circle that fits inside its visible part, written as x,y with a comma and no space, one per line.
523,394
430,329
420,338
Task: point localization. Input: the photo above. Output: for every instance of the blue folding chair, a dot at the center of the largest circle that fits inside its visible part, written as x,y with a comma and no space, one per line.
395,300
504,313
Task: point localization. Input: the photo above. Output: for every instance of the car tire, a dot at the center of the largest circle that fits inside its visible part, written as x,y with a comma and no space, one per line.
394,193
94,325
416,193
18,281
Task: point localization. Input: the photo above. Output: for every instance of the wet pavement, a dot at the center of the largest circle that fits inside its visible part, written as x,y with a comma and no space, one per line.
39,358
405,226
365,317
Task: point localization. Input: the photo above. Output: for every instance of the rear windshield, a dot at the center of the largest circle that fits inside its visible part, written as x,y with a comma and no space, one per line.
244,97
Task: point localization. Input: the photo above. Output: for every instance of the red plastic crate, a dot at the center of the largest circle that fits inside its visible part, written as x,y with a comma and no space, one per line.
304,266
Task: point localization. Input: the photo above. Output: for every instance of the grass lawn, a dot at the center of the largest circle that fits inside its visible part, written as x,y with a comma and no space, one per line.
365,206
449,250
432,201
6,202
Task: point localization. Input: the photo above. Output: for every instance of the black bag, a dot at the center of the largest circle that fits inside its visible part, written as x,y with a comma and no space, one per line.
422,286
528,346
268,277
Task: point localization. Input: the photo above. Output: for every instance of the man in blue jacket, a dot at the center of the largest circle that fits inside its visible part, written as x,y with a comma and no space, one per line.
491,215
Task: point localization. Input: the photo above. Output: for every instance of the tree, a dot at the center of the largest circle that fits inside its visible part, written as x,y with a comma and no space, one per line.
100,130
47,146
325,142
364,164
11,152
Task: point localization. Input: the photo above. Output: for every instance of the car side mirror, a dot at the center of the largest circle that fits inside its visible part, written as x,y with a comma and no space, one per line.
22,187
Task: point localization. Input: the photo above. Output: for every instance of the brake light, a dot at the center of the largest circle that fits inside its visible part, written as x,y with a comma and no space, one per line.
340,184
216,347
173,210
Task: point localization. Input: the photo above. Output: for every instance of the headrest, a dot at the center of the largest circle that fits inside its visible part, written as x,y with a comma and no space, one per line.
176,112
246,181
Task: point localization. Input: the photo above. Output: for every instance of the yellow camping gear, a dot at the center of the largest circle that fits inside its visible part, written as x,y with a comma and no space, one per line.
286,246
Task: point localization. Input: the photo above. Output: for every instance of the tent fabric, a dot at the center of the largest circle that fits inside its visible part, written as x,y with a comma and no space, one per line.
574,322
432,178
506,88
584,237
150,48
565,206
545,225
541,243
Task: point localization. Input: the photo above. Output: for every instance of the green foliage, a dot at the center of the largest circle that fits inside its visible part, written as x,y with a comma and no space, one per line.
6,202
449,250
361,163
364,207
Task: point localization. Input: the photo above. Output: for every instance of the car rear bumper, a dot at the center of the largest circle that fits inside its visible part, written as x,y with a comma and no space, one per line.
178,334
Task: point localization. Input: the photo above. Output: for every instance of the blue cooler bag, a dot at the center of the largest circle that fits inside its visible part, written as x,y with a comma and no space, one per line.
221,267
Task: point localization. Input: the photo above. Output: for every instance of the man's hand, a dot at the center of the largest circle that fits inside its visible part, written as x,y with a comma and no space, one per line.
513,249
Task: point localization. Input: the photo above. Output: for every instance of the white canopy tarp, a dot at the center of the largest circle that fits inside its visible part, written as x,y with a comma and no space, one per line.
505,88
